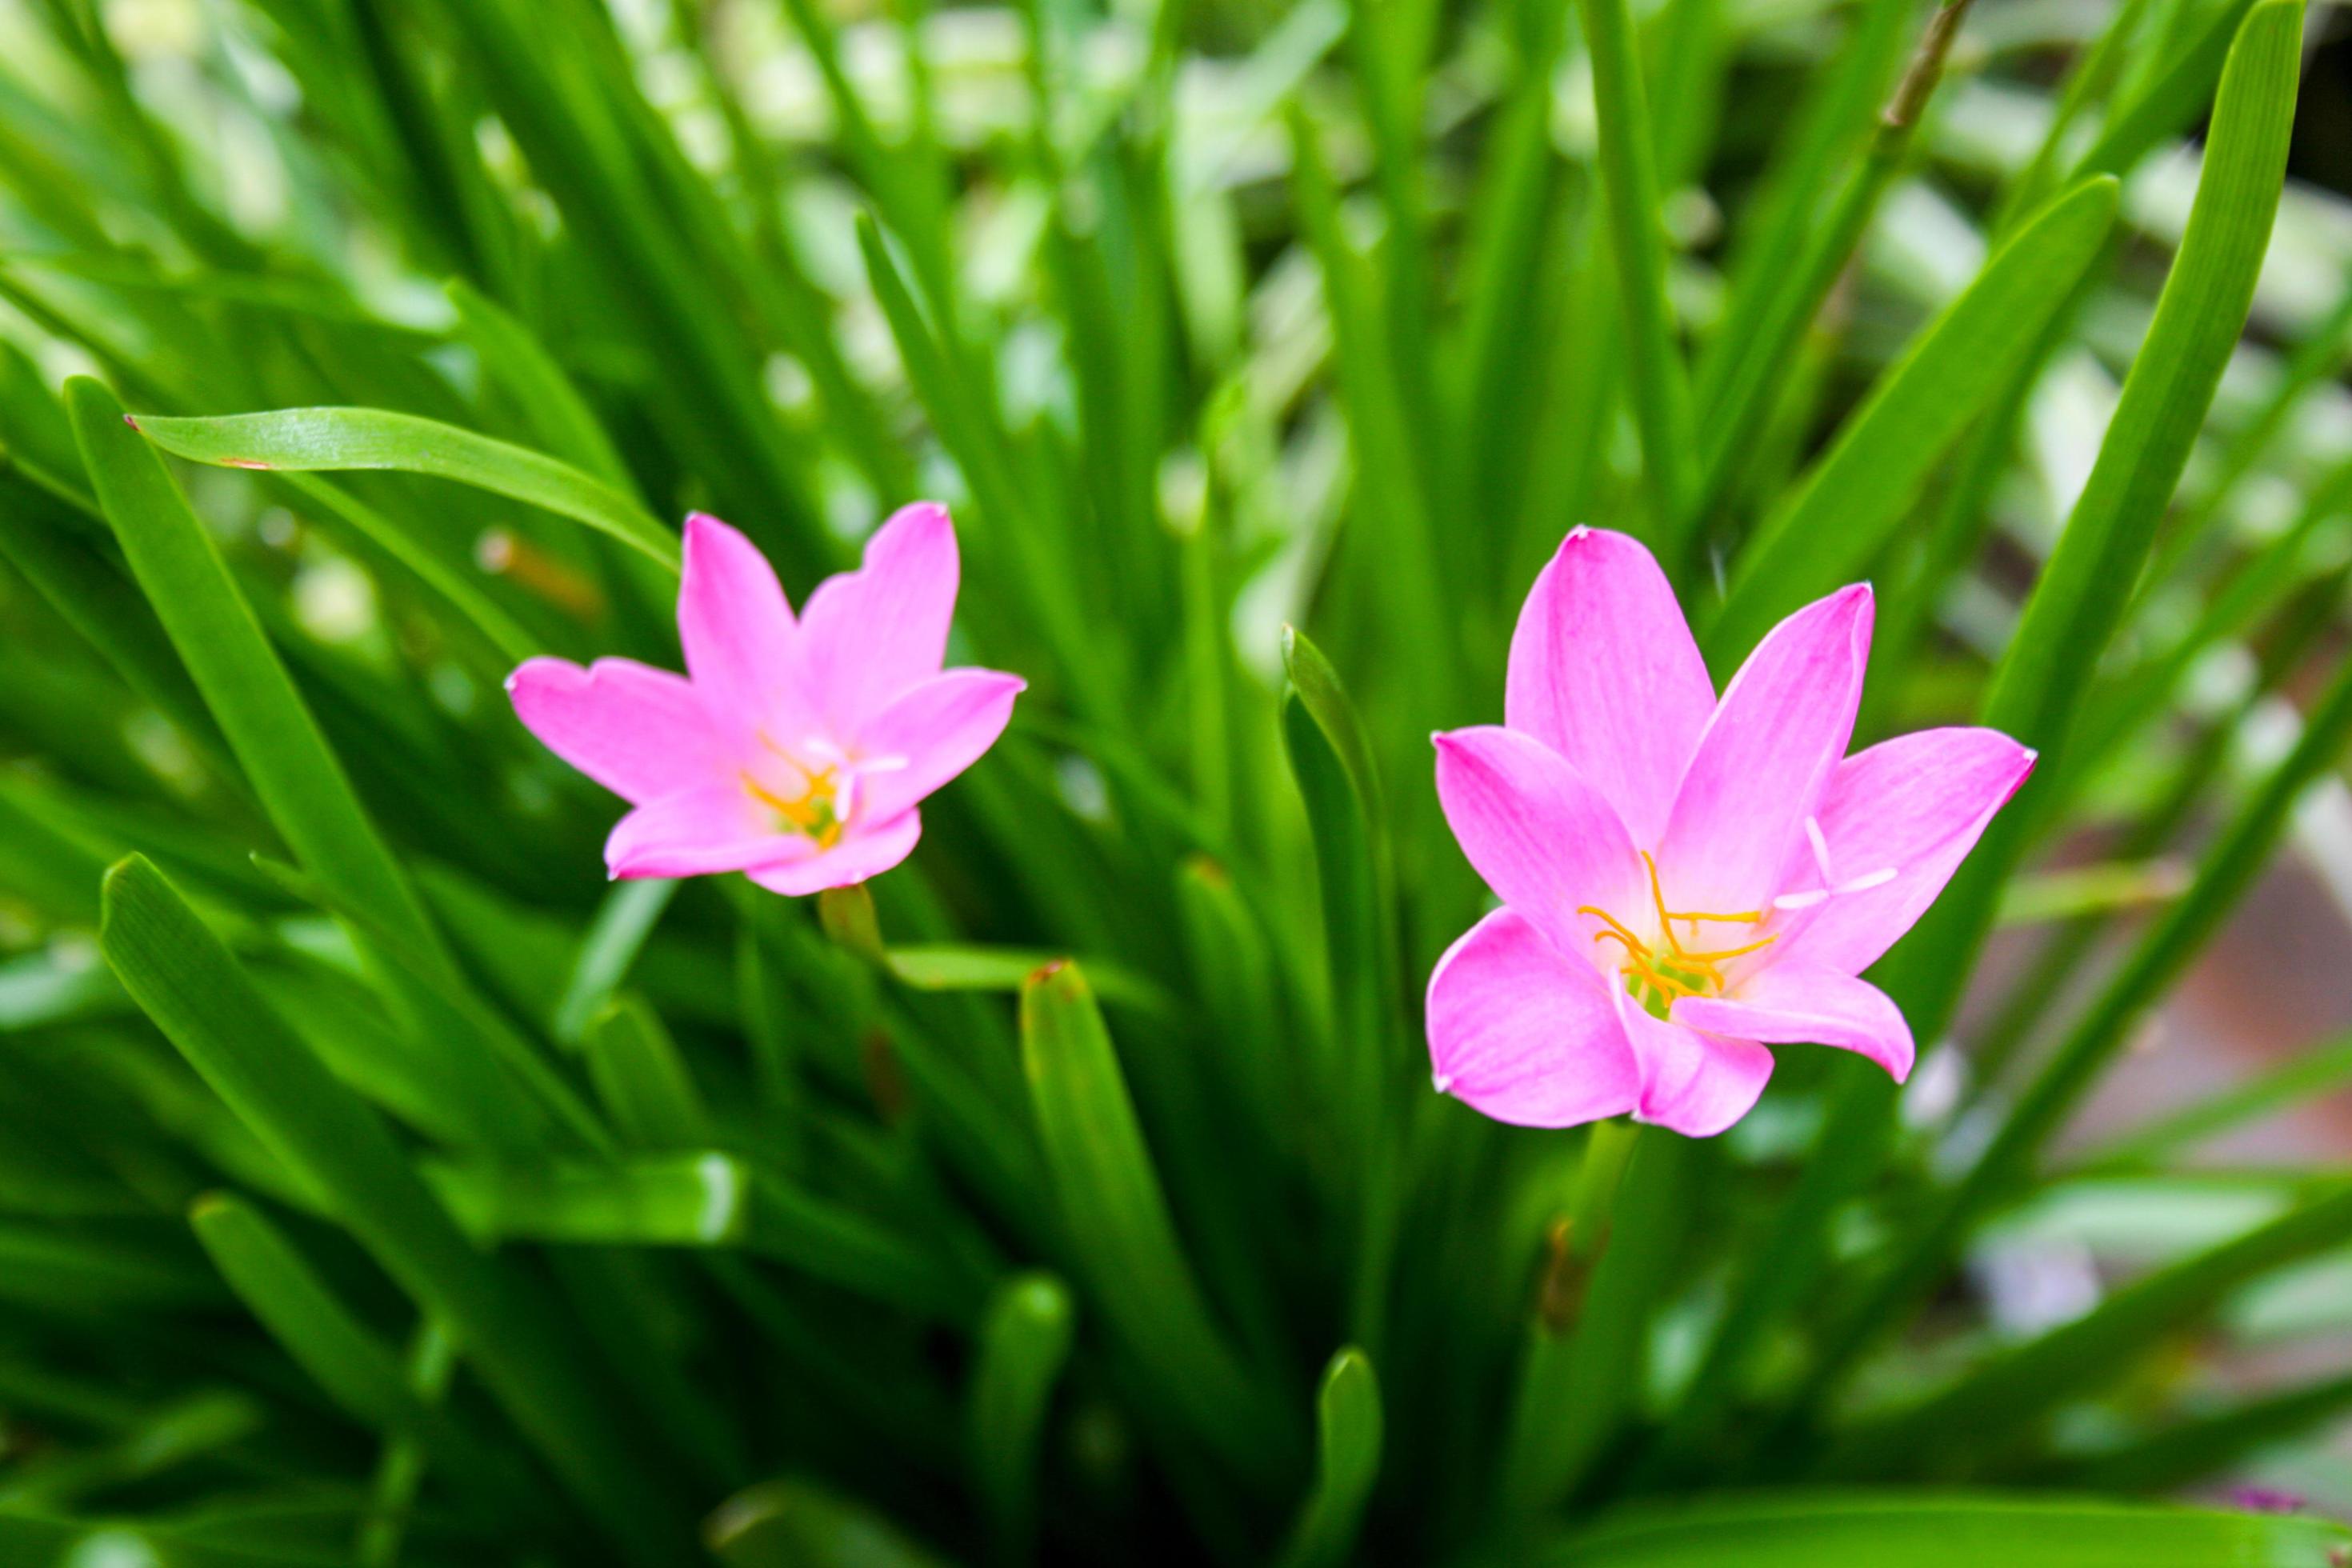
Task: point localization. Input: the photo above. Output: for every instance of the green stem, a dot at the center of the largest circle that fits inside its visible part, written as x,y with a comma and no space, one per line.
1541,1455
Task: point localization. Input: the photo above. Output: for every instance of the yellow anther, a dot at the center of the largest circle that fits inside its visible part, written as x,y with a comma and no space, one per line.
1711,959
1666,917
1634,944
1665,984
811,812
1738,916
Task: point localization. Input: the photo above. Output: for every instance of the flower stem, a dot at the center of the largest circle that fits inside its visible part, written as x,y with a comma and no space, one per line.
1541,1456
1595,1198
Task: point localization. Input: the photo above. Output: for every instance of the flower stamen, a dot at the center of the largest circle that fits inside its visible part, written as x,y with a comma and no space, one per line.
1659,979
1634,946
1666,917
1710,959
818,812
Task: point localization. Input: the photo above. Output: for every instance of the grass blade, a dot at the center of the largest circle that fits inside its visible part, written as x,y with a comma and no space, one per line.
644,1086
308,440
1637,236
1939,1531
1974,1420
789,1524
2074,609
1025,1338
2307,1076
342,1354
1858,494
630,912
184,980
1347,1463
1585,1354
2228,870
2210,1445
1332,762
296,777
1120,1235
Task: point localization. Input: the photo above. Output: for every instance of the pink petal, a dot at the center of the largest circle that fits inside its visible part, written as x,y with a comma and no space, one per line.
1604,672
1766,758
1545,839
937,729
870,634
1696,1084
1523,1034
863,852
1916,805
1799,1001
735,624
712,827
639,731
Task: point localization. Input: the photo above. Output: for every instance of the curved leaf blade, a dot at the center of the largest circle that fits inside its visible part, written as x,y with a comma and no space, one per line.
1940,1531
1858,492
308,440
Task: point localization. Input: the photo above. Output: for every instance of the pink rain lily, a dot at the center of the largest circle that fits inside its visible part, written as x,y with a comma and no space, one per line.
1684,879
792,751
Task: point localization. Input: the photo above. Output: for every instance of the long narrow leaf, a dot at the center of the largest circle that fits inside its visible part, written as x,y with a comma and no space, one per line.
186,979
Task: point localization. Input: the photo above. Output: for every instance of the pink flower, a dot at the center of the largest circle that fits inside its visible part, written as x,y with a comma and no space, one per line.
1684,879
792,751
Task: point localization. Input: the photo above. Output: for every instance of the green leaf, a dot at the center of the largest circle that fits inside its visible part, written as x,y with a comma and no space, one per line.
1391,491
1853,501
487,1071
1792,294
622,923
339,1352
38,991
2191,1451
184,980
790,1524
455,578
963,966
1973,1418
1585,1353
1025,1338
2075,606
46,1264
2228,869
643,1083
206,1426
708,1200
2171,102
685,1200
2306,1076
1332,762
35,1537
41,537
1122,1242
296,777
559,415
1841,112
1629,179
2042,679
1346,1464
304,440
1942,1530
1234,973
